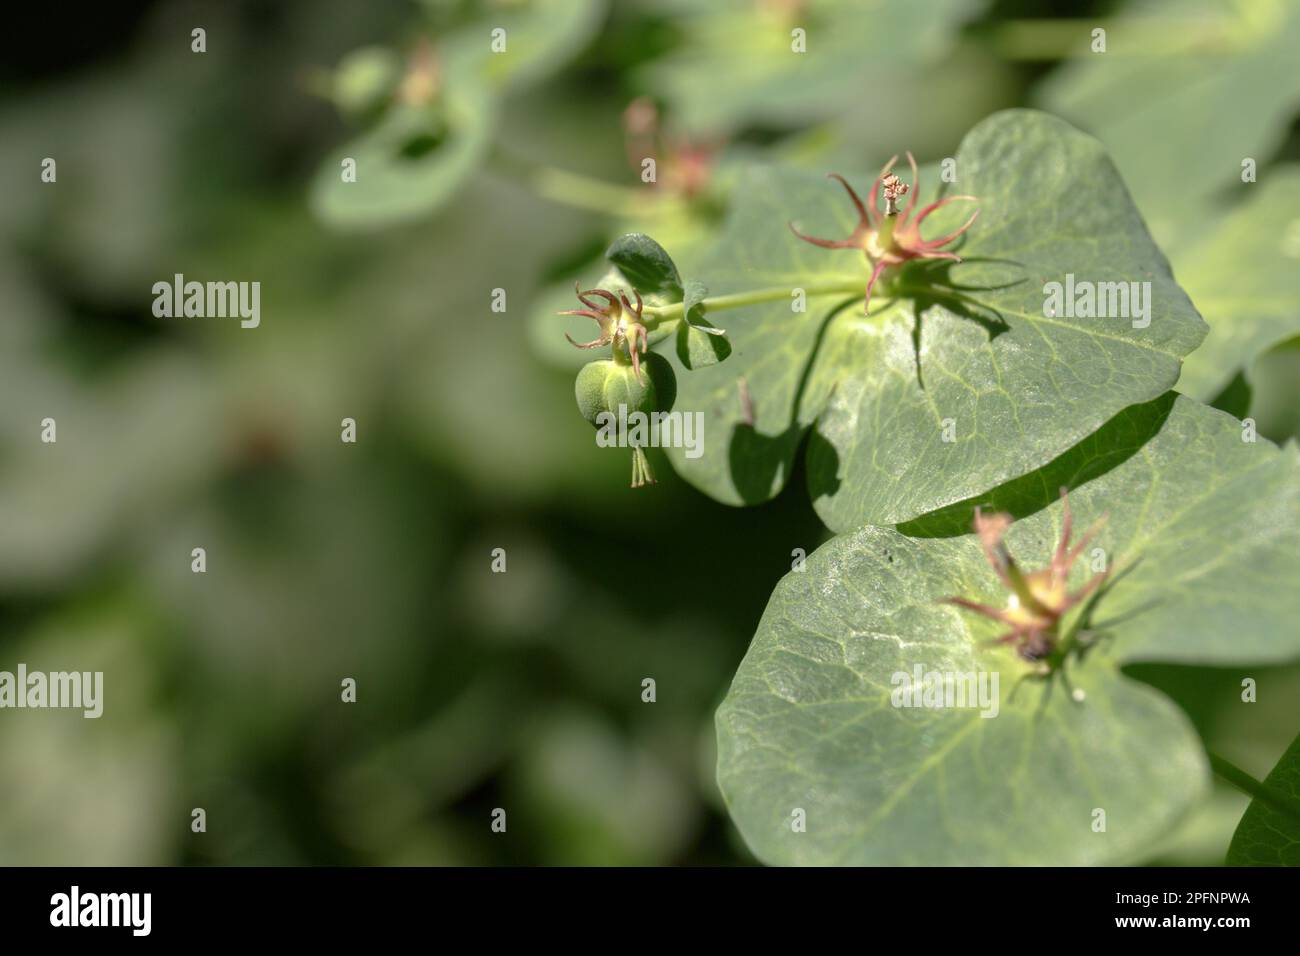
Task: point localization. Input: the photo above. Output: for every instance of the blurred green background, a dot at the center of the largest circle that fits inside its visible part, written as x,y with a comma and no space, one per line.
327,560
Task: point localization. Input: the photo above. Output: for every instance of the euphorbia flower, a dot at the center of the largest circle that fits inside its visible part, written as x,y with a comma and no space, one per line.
1039,599
891,238
619,321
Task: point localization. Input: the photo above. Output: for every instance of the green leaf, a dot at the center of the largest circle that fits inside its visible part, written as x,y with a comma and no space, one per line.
1202,544
408,165
1185,91
1243,274
540,37
965,353
765,81
1269,831
647,266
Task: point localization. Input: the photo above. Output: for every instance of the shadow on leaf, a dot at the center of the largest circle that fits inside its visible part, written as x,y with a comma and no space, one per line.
1109,446
756,458
934,286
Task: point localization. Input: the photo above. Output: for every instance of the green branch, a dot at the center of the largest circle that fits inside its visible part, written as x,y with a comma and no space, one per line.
840,286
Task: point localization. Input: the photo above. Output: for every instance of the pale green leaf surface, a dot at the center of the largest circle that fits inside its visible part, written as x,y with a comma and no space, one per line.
646,265
1018,386
1202,541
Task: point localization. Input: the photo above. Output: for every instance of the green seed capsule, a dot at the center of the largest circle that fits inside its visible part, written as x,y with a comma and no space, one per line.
604,385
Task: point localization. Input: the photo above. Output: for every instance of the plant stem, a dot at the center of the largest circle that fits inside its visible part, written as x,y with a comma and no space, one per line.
1252,787
1048,39
737,300
842,286
586,192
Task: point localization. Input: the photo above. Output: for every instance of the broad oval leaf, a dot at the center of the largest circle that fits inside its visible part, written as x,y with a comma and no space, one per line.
646,265
963,380
1202,544
698,349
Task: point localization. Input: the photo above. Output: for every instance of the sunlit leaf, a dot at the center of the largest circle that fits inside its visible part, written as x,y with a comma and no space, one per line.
960,380
1201,542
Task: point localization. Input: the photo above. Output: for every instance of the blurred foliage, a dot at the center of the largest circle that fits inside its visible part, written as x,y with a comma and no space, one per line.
328,560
